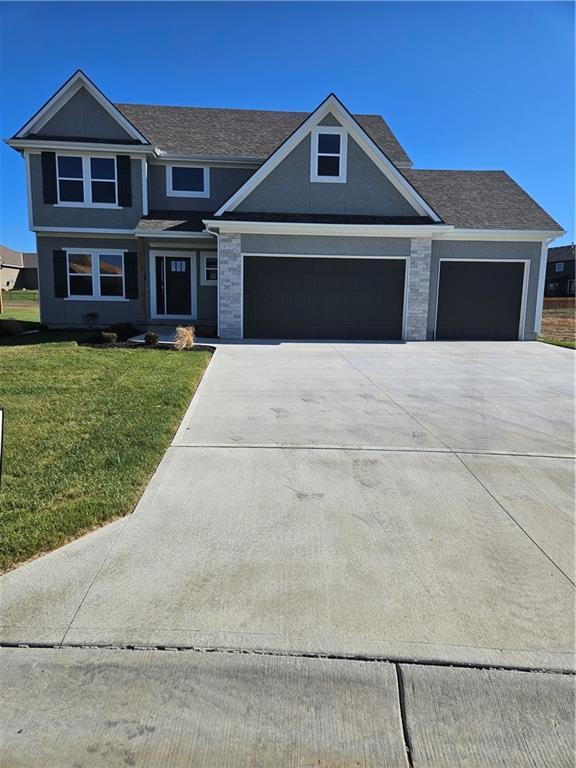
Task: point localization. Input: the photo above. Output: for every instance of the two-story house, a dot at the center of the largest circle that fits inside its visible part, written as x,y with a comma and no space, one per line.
561,271
271,225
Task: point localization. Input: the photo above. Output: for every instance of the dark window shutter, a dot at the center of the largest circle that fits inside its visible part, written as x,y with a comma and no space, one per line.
60,274
49,193
131,274
124,174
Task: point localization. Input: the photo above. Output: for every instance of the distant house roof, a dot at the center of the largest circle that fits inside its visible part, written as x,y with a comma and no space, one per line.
10,258
480,200
250,133
17,259
562,253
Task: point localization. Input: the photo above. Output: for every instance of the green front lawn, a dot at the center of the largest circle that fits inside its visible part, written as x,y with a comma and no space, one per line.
560,343
27,314
84,429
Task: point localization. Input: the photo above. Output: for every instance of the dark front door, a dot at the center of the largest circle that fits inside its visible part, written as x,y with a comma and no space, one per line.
323,298
479,300
173,286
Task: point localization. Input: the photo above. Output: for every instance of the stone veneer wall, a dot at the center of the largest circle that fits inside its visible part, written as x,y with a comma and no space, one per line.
230,286
418,288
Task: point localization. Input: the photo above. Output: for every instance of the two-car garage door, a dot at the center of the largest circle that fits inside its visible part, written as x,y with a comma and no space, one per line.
301,297
312,297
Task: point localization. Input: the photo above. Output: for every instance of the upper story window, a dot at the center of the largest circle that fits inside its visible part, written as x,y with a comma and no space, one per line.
86,181
559,266
187,181
328,154
95,274
209,268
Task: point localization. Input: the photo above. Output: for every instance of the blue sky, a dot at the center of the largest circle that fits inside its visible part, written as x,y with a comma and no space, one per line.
463,85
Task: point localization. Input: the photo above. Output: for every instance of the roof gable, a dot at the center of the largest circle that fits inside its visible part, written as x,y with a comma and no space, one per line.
78,87
334,107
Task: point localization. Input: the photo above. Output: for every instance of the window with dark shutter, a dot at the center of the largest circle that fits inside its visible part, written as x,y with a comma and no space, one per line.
49,193
124,176
60,274
131,274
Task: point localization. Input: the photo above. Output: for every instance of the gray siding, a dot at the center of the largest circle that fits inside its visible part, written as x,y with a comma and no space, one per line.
83,118
288,188
107,218
486,250
223,183
68,312
326,246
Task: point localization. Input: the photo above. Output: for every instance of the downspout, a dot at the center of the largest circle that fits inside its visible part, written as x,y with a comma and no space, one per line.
541,284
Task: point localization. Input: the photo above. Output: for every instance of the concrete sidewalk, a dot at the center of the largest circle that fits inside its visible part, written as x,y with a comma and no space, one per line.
108,708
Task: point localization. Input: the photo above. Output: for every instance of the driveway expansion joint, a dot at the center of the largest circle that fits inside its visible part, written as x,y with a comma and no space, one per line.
367,658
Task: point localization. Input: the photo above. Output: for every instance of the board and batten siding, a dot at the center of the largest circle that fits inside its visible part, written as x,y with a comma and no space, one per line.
460,249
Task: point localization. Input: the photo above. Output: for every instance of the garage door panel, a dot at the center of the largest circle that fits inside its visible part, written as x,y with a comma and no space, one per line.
479,300
323,298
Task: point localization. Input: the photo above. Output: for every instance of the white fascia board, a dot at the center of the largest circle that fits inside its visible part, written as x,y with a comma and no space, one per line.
64,94
351,230
230,162
331,104
520,235
37,145
83,231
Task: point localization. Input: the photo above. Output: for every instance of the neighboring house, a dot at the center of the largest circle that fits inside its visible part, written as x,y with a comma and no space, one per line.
560,273
17,269
272,225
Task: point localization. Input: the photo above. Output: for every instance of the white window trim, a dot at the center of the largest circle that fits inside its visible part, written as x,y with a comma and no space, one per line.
314,154
171,192
204,255
559,264
86,181
95,253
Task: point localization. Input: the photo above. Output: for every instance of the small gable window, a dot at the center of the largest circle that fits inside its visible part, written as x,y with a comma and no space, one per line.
328,160
187,181
559,266
86,181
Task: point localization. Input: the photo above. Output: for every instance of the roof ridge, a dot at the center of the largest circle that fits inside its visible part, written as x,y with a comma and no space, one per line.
120,104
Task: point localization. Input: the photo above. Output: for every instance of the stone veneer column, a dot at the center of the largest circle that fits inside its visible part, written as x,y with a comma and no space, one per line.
418,288
230,286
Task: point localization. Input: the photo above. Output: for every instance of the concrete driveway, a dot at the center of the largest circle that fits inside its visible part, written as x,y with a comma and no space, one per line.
398,501
374,504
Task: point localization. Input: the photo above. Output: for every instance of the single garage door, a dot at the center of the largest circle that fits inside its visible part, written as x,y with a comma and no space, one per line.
479,300
323,298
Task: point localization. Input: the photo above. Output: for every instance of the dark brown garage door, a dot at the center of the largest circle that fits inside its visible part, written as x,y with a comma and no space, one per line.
323,298
479,300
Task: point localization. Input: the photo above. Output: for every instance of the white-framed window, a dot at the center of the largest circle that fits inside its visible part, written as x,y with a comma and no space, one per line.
208,268
329,147
559,266
85,181
571,286
95,274
187,181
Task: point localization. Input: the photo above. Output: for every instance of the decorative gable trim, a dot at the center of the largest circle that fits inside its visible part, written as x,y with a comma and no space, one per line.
333,105
64,94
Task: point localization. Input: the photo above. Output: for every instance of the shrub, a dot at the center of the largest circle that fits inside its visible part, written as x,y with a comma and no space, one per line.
124,331
102,337
11,328
184,337
151,339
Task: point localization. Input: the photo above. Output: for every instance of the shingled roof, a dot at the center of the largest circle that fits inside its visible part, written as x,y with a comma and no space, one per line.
253,133
480,200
